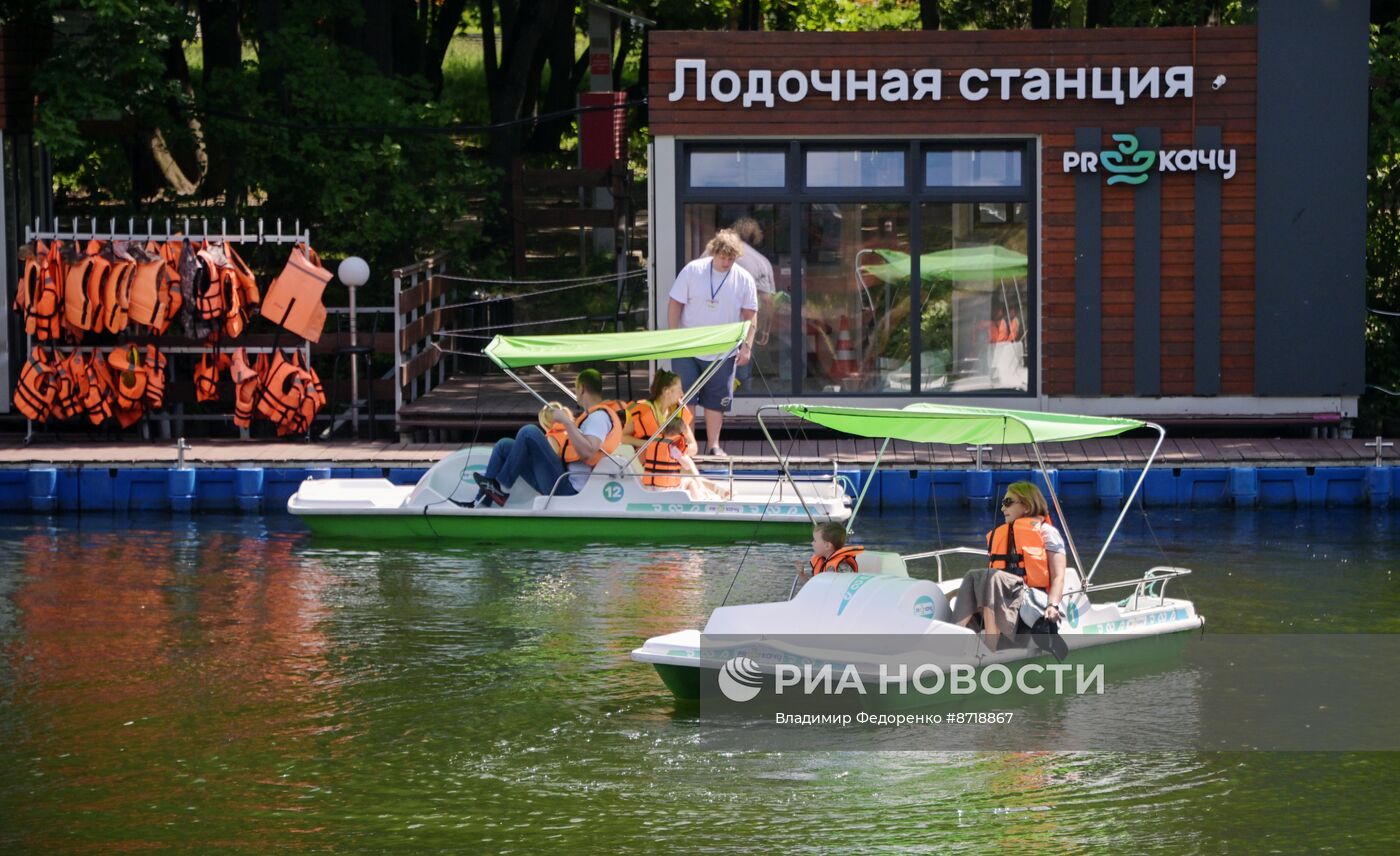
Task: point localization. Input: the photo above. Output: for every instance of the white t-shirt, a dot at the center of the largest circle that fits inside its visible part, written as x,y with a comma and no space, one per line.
598,424
710,297
759,268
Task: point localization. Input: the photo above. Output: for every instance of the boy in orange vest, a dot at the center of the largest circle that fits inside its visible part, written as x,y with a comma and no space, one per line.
829,552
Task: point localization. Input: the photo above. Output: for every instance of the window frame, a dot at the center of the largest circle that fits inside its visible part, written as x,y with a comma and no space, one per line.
914,194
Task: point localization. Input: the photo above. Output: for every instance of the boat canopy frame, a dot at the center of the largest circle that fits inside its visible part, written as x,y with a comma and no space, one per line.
509,352
955,424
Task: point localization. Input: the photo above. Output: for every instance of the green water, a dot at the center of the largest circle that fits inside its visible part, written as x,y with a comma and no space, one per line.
228,684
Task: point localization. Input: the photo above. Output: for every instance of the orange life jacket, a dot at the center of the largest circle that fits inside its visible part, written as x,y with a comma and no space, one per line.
243,276
644,421
1019,549
82,292
842,558
71,386
313,396
154,298
569,454
34,393
662,457
282,390
294,298
40,294
209,302
130,378
155,378
206,376
1006,330
116,295
246,379
101,400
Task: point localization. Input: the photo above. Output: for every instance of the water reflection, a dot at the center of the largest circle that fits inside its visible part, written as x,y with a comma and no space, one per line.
227,681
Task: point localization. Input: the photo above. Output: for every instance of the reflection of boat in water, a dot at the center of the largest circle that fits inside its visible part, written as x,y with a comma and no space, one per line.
614,503
883,613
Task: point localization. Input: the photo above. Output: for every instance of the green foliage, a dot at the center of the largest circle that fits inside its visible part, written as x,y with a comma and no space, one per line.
1379,410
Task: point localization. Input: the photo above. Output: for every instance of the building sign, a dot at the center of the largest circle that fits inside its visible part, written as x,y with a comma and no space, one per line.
764,87
1129,164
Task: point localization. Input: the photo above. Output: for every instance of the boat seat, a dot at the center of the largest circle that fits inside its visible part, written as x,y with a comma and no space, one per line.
881,562
616,464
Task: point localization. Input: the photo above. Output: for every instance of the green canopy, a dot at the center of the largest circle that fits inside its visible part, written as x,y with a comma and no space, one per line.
956,424
963,264
516,351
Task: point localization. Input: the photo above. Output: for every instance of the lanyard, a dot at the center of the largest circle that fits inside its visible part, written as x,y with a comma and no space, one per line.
713,289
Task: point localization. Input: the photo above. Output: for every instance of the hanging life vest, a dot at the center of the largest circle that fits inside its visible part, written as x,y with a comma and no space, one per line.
569,454
246,380
281,392
71,388
661,460
40,293
101,400
206,376
1019,549
35,391
82,292
116,296
294,298
130,378
841,559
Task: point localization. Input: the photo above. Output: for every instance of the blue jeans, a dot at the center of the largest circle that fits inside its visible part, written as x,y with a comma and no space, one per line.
531,457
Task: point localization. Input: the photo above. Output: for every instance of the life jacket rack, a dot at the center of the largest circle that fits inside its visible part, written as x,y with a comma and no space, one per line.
245,231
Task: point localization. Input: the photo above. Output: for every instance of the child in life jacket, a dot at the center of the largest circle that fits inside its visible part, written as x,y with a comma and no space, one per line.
674,436
553,431
830,553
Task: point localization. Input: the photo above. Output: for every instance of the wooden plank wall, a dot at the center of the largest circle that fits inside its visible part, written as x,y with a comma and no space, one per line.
1231,51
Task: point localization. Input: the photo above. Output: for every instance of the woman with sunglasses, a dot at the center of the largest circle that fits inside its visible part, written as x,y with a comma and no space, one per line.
1024,551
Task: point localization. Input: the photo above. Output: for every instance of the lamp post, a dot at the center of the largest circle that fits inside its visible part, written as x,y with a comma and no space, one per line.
353,272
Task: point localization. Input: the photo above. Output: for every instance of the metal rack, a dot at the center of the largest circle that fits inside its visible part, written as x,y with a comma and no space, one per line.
176,229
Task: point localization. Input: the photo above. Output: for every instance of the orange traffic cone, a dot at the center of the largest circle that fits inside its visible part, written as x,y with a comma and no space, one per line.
846,365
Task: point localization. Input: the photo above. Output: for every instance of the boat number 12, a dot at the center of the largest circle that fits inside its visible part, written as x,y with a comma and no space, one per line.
612,491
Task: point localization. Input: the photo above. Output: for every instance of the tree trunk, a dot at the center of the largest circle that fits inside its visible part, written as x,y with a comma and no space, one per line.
1040,14
219,22
929,17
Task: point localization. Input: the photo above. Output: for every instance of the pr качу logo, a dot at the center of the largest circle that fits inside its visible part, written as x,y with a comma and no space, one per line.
740,679
1134,172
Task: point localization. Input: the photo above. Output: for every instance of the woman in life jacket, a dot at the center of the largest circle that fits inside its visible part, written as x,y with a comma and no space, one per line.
1025,550
645,416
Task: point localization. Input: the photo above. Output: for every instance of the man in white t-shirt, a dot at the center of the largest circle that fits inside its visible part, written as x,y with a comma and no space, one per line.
758,266
714,290
530,454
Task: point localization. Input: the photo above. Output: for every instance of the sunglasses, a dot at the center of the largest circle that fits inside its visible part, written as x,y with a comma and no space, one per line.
1008,502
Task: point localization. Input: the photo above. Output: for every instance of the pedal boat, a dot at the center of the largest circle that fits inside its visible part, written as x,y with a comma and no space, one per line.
614,504
884,600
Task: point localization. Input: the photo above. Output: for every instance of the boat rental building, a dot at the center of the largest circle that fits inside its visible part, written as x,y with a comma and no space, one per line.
1158,222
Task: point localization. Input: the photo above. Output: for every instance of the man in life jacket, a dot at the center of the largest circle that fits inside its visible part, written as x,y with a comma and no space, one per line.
530,455
830,553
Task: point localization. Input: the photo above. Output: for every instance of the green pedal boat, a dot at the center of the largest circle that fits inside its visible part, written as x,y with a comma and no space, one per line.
615,503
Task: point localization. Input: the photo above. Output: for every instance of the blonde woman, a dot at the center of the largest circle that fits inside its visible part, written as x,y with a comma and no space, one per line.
714,290
1026,550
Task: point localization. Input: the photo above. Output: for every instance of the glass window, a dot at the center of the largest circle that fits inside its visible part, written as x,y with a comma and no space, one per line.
855,297
738,168
972,168
767,254
855,169
975,297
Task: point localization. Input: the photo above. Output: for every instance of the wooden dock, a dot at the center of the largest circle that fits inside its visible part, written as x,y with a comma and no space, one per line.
751,453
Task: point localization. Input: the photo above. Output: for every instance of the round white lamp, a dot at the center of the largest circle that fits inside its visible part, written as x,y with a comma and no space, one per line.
353,272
